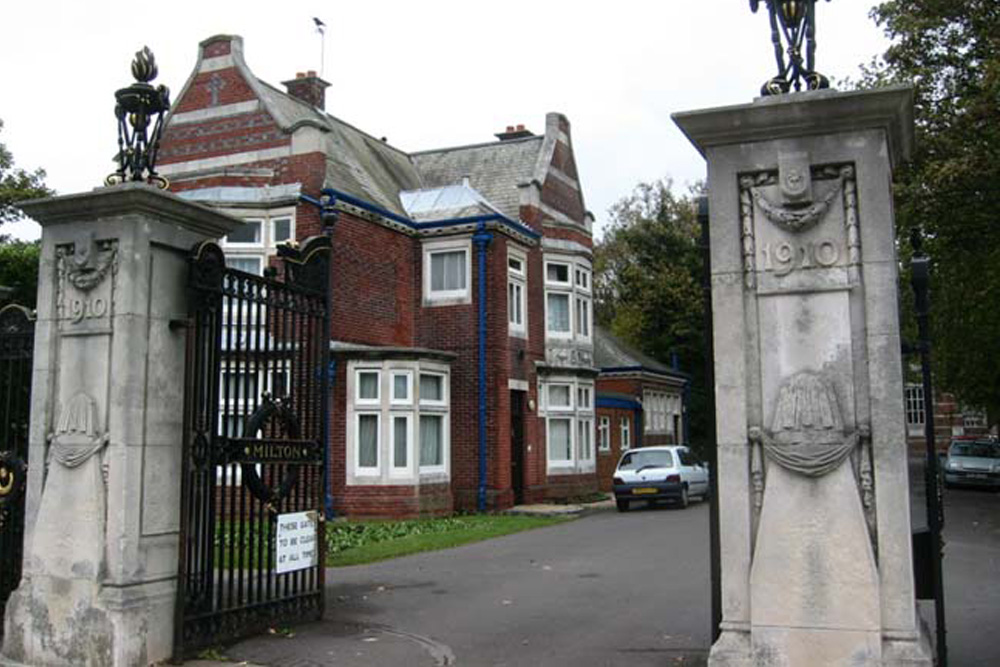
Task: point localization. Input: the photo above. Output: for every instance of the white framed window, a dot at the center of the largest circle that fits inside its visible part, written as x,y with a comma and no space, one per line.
915,414
433,436
368,441
282,230
447,274
517,282
626,433
560,439
251,234
585,439
559,396
558,273
401,387
604,434
402,443
399,422
568,409
247,263
367,385
568,300
972,418
557,315
432,389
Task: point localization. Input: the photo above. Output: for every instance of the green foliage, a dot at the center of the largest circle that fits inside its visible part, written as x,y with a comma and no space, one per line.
17,185
358,543
648,284
19,271
950,191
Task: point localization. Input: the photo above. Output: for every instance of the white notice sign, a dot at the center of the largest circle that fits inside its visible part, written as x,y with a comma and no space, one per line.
296,547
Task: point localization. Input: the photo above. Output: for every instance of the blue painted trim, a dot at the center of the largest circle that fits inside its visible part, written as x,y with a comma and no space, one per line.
617,404
482,240
328,492
433,224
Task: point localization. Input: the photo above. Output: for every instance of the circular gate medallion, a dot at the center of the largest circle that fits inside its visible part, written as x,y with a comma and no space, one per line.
12,477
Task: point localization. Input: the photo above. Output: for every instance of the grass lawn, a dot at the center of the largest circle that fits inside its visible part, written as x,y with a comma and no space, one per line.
367,542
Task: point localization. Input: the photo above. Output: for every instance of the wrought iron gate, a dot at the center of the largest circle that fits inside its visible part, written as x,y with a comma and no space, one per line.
17,335
251,553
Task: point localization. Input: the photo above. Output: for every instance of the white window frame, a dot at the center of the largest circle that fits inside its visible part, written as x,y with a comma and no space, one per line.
517,282
604,434
447,297
579,410
442,468
625,437
913,404
445,398
394,469
585,425
393,374
366,402
578,291
261,241
368,471
388,408
554,462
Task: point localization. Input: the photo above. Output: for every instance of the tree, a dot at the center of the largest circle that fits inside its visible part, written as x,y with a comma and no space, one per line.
648,291
950,191
17,185
19,272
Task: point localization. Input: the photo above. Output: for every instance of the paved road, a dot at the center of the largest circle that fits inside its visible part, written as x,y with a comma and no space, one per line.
608,589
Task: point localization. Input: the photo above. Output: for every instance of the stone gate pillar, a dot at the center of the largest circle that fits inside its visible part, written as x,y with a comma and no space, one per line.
103,504
813,482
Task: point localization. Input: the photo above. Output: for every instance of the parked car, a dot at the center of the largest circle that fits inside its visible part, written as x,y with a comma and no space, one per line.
659,473
973,463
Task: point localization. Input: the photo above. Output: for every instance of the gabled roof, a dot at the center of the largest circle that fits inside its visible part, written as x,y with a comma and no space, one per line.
610,353
357,163
495,169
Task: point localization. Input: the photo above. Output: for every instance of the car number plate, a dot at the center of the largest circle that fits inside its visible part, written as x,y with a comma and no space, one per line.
642,491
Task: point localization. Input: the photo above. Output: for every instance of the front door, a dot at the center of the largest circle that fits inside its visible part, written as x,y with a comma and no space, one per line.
517,445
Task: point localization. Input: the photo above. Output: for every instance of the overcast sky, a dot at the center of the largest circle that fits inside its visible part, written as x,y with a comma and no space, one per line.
426,74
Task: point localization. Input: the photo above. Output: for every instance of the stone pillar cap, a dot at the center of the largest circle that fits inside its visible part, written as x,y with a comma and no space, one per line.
129,199
806,114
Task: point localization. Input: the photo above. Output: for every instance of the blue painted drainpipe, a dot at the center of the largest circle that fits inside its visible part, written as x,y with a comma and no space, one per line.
482,239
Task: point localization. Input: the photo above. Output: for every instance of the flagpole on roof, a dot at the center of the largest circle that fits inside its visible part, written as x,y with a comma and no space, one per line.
321,29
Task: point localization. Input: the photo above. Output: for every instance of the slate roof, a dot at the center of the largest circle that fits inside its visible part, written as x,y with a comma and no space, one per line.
494,169
357,163
610,352
371,169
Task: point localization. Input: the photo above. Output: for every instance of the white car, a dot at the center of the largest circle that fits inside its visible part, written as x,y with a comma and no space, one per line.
659,473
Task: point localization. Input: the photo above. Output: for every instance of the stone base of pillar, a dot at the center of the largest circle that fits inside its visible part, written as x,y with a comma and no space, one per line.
737,649
74,623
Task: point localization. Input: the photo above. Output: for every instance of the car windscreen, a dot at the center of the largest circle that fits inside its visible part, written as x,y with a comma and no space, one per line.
646,459
979,450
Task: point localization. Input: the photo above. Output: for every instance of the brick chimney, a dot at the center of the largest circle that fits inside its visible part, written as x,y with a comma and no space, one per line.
514,132
309,88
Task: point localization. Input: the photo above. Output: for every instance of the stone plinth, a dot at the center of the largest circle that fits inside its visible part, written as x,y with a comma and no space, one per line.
813,481
103,501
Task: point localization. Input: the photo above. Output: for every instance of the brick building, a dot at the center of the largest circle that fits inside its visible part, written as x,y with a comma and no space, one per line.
640,403
462,332
951,419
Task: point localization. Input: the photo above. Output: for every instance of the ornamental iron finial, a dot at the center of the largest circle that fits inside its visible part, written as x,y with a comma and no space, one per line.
793,26
139,106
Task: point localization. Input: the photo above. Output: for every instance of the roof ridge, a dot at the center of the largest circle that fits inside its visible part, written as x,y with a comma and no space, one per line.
479,145
326,115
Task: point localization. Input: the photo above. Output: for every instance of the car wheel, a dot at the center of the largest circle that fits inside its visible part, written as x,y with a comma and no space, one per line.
685,500
622,505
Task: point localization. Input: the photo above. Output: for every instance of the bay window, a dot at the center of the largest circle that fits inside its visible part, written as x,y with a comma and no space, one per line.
399,422
568,409
568,298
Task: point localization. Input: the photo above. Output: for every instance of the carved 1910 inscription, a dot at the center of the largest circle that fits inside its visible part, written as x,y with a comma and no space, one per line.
784,257
85,297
